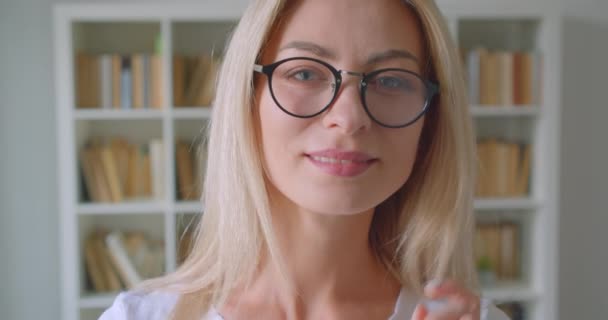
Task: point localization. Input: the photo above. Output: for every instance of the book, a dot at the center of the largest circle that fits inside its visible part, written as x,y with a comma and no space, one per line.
111,172
156,82
473,61
196,82
178,80
105,68
207,92
504,78
101,180
87,170
86,80
126,85
111,273
488,78
157,163
500,245
503,168
93,265
147,81
137,71
121,260
523,177
116,79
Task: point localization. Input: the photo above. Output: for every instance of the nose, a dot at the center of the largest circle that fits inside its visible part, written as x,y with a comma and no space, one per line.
346,113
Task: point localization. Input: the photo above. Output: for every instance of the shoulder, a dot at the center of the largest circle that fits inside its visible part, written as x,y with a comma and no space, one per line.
133,305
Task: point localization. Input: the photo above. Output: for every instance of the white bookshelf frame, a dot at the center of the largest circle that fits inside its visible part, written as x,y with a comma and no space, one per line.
540,292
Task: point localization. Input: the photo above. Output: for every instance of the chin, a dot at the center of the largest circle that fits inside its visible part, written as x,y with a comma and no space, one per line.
334,205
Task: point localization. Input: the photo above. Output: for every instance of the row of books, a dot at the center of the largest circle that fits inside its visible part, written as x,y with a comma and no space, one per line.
194,79
498,250
118,260
503,78
118,81
116,170
504,168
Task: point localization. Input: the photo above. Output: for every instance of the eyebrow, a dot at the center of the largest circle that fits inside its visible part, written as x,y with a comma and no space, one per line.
310,47
391,54
327,53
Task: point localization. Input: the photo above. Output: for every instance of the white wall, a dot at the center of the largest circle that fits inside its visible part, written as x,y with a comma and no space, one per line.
29,242
584,214
28,207
587,9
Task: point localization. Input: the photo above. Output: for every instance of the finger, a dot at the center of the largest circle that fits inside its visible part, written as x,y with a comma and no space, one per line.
451,292
449,311
420,313
456,301
439,288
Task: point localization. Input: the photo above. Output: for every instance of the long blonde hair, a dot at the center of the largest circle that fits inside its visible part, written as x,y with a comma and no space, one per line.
423,231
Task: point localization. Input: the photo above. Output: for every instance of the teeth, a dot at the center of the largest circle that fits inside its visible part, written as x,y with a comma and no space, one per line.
333,160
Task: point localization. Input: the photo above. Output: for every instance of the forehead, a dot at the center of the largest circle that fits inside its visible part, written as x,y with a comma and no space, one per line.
352,29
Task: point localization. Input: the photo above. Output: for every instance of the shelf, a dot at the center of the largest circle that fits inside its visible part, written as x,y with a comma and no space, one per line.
505,111
140,28
145,207
109,114
506,204
97,300
192,112
510,292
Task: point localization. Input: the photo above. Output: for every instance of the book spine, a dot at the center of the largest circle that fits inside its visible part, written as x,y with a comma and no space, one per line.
137,76
126,96
146,81
121,260
106,81
473,76
157,166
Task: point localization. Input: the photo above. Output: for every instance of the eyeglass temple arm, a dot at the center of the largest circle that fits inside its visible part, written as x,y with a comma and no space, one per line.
258,68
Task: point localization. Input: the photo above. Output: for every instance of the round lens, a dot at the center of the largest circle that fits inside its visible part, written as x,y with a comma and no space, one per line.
395,97
303,87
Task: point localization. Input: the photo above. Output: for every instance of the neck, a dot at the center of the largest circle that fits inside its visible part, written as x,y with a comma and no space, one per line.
328,261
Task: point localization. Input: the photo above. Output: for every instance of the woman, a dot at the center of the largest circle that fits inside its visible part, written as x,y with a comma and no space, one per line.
340,173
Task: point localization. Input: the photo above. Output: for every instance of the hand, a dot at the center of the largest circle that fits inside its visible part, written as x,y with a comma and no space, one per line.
459,303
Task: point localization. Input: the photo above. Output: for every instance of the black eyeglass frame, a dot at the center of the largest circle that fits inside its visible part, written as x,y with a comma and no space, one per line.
268,70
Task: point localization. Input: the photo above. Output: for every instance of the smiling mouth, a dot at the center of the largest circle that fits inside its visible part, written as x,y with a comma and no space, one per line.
337,161
339,167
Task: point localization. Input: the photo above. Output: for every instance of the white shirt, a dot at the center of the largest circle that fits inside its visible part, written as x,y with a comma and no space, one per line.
158,305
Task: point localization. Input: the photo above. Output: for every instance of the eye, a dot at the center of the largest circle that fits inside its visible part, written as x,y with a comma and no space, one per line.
393,83
306,75
396,82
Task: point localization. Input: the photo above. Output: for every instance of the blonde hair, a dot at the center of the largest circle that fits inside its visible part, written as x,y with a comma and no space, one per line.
423,231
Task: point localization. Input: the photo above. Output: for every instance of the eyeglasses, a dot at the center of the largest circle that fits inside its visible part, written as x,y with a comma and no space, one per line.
305,87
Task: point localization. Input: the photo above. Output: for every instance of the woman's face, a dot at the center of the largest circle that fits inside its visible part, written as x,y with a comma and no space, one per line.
340,161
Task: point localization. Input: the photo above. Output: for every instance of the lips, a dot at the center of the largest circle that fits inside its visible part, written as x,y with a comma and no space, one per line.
341,163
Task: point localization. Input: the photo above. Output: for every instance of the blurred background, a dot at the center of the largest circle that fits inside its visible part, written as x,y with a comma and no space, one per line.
102,103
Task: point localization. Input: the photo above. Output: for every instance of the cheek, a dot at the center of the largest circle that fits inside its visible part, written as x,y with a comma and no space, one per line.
278,133
401,149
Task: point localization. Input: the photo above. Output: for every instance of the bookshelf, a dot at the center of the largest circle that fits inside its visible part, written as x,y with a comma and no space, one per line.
166,31
529,27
